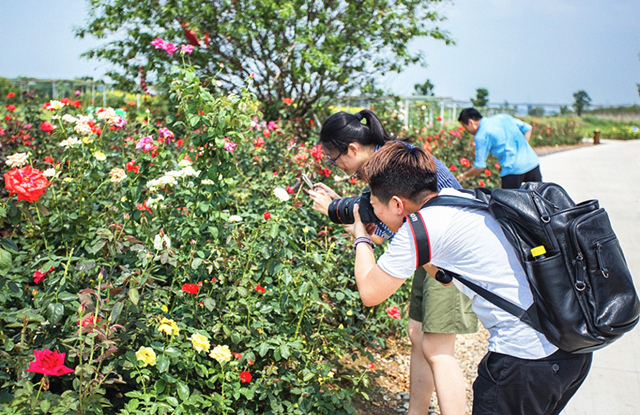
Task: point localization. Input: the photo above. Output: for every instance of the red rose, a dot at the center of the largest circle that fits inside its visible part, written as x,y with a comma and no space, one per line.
453,167
49,362
465,162
245,377
143,206
38,276
290,189
237,355
131,166
260,289
487,172
49,160
481,183
267,215
28,183
47,127
287,101
11,94
393,312
317,152
497,165
370,366
191,288
266,133
11,108
88,321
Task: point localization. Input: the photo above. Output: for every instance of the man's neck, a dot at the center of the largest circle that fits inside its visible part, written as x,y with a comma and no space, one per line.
412,207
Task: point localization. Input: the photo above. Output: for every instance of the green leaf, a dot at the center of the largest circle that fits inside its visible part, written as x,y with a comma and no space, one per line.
183,390
134,296
160,386
209,304
263,349
5,260
196,263
115,312
284,351
55,312
162,363
86,265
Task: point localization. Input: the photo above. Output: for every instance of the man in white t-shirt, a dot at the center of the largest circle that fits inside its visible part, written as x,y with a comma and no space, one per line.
522,373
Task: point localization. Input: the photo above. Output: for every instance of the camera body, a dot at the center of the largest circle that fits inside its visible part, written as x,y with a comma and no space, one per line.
341,210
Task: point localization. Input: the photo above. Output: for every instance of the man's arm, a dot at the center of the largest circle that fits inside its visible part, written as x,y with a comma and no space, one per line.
374,285
527,135
469,174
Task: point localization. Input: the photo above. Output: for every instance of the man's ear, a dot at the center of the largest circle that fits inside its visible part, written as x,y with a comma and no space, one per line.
397,204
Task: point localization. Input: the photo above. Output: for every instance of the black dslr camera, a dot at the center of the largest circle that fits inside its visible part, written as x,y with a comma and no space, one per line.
341,210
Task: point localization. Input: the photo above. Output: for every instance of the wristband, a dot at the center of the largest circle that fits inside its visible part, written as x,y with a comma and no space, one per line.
364,239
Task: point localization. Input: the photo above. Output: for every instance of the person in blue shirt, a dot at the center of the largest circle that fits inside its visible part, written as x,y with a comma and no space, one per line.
507,138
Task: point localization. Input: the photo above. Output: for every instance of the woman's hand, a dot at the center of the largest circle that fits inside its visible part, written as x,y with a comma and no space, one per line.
323,188
321,201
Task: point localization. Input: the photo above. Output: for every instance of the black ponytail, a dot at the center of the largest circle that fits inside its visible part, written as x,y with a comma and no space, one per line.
343,128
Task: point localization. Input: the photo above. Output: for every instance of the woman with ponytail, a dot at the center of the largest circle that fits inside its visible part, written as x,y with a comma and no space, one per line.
436,313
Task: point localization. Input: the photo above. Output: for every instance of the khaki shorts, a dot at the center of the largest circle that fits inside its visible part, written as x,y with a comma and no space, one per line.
440,309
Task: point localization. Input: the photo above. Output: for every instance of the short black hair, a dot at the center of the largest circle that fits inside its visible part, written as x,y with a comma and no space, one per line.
400,170
469,114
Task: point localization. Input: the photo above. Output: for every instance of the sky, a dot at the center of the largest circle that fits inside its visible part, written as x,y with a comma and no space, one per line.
521,51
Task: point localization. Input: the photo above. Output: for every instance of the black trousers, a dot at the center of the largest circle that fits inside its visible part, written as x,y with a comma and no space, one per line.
513,181
507,385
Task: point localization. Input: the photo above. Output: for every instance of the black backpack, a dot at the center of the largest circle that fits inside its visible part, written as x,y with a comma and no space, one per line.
584,298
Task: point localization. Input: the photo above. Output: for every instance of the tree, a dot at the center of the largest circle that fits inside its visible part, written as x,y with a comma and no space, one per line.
425,89
582,102
482,98
307,50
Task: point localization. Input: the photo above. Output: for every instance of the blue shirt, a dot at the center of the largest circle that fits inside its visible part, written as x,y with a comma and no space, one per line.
503,136
444,179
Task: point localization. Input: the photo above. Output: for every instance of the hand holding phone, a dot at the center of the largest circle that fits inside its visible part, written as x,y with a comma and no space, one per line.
307,180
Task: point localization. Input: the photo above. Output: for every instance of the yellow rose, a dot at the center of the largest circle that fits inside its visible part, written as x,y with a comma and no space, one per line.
200,343
100,156
147,355
221,353
169,327
164,309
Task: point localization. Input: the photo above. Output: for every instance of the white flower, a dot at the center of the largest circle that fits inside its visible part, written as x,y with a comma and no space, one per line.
109,116
281,194
174,173
154,202
69,142
207,181
68,118
17,160
161,182
235,218
161,241
56,105
189,171
82,129
83,119
117,175
221,353
50,172
184,163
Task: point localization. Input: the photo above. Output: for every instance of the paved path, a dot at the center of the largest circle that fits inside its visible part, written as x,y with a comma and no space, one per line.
609,172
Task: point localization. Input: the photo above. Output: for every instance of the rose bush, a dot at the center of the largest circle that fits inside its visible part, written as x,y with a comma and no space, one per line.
151,246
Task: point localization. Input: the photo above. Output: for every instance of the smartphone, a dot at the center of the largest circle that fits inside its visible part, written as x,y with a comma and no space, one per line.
307,180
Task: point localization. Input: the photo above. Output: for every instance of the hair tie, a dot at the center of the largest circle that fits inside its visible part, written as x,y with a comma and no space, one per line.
358,116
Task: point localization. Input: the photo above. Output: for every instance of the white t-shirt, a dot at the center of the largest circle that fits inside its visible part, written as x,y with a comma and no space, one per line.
471,243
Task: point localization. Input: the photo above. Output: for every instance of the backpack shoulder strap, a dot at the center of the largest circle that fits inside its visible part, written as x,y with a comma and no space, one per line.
419,229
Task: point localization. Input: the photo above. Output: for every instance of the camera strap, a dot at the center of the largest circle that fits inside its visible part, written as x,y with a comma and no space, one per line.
420,238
